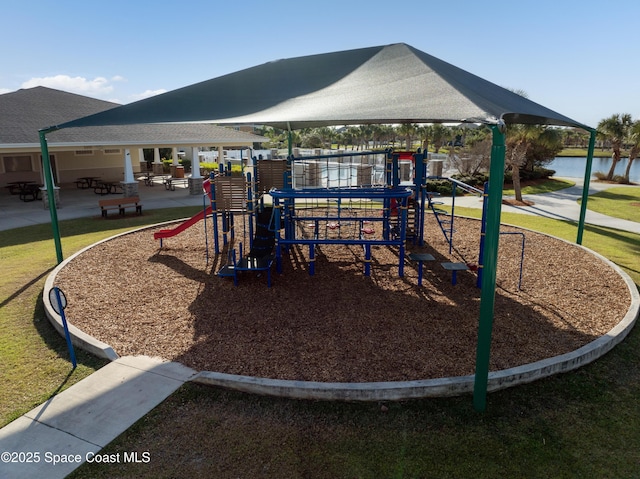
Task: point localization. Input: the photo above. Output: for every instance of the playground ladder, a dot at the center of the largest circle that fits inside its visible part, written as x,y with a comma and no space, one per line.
444,219
446,224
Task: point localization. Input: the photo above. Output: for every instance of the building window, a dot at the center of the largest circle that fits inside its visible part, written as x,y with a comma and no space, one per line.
17,163
112,151
84,152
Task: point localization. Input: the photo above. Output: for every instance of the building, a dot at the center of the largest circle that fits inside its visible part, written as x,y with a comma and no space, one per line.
92,151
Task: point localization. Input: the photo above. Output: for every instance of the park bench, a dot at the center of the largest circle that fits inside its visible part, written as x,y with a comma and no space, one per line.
120,204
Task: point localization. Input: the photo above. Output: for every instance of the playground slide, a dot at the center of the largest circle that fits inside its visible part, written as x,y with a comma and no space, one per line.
183,226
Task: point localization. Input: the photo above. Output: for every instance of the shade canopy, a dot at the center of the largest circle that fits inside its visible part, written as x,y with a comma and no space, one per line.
385,84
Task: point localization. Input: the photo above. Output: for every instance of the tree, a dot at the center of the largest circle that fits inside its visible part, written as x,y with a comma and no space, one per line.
546,144
277,137
408,131
477,155
518,141
439,136
327,135
615,129
528,145
634,141
365,135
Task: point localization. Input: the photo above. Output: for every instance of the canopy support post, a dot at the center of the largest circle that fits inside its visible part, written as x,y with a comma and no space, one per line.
48,179
289,140
490,262
585,186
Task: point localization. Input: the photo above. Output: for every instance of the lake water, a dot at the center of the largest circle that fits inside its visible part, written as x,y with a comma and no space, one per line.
574,167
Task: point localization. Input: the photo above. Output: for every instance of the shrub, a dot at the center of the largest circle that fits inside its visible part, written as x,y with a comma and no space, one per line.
537,173
476,180
443,187
620,179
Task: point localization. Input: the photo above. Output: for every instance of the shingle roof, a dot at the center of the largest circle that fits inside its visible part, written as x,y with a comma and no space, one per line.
24,112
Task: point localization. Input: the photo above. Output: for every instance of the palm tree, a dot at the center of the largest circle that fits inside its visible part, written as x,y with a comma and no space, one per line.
518,142
327,136
634,141
408,131
365,134
439,136
615,129
277,137
528,145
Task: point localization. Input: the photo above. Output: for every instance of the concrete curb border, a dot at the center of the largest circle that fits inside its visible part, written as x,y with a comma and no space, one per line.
382,391
78,337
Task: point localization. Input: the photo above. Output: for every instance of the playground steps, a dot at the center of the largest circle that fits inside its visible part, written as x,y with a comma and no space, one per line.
411,224
260,257
442,217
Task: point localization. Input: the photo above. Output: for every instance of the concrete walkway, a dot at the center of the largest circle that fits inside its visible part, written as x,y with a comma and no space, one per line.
78,203
72,427
560,205
76,424
75,203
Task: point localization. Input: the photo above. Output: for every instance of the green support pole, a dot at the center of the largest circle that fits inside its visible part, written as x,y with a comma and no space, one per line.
490,262
585,186
48,179
289,139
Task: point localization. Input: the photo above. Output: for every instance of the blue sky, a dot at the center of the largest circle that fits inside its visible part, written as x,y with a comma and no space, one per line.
579,58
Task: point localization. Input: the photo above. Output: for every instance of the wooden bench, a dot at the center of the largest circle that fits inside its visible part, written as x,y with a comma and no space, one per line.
120,204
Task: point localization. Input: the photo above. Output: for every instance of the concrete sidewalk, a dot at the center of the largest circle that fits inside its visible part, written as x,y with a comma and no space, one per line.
75,203
78,203
559,205
72,427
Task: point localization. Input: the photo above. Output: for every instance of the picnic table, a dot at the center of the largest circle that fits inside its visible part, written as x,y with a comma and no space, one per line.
15,187
107,187
148,177
85,182
30,192
170,182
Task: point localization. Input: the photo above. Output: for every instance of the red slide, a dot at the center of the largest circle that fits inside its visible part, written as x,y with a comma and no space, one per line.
180,228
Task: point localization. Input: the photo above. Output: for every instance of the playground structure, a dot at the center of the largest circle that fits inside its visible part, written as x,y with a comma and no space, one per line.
364,198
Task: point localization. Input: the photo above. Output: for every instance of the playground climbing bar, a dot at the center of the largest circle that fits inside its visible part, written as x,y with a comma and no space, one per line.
284,204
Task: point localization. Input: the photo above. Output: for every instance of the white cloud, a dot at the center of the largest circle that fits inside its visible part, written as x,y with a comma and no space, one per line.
147,94
99,86
4,90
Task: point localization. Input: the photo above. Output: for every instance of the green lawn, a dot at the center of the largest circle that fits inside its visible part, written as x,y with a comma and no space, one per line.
582,152
582,424
34,358
538,187
621,202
